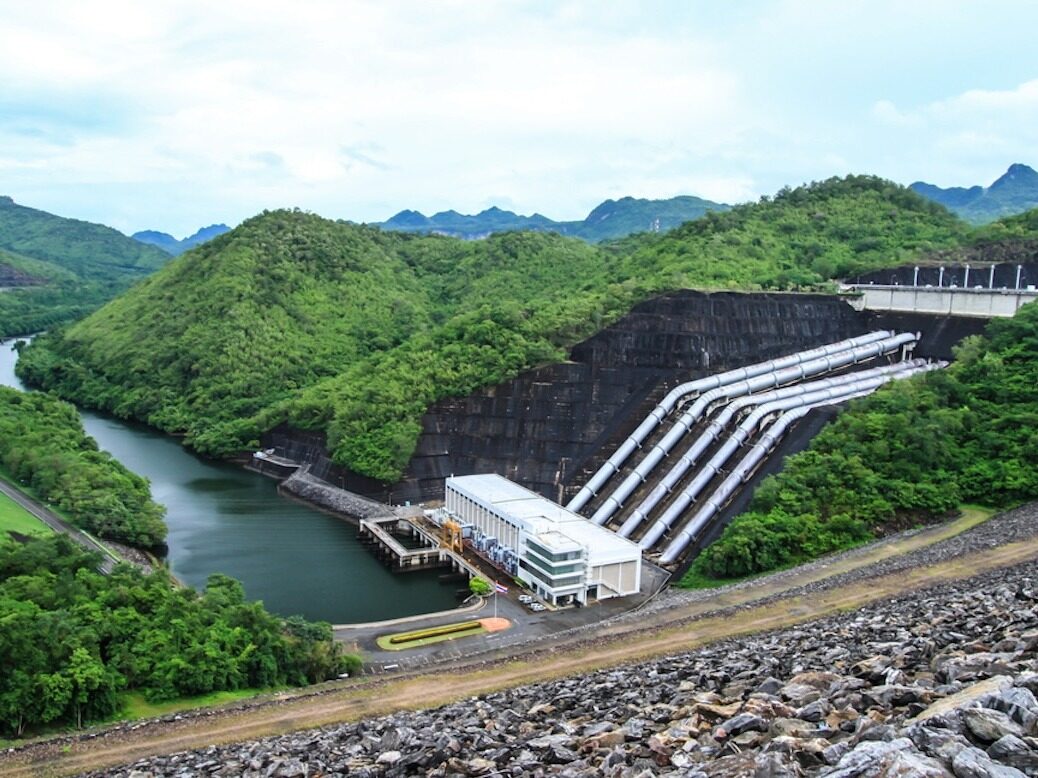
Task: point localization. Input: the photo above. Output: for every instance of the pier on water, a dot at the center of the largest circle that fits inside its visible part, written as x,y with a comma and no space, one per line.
406,545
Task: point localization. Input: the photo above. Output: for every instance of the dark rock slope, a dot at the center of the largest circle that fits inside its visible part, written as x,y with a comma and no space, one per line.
550,427
546,427
938,683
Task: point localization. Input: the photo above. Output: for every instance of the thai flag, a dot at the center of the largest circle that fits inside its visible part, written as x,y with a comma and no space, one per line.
499,588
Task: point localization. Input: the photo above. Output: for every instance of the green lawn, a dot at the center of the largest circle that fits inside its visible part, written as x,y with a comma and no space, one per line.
14,518
136,707
420,640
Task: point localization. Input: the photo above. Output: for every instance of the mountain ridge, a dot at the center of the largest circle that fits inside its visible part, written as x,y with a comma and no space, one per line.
1014,192
609,219
58,268
171,245
356,331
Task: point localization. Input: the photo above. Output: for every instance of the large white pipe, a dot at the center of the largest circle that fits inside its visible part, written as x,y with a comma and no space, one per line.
724,418
748,463
738,437
688,419
668,403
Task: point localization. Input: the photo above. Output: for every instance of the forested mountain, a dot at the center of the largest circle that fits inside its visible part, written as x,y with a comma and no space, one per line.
356,331
82,247
629,215
1015,191
611,219
175,247
458,225
67,267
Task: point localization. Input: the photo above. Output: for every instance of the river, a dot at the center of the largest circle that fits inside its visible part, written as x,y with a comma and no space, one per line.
223,519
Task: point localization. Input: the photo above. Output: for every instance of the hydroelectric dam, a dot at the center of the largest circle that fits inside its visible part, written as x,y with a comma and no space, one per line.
556,429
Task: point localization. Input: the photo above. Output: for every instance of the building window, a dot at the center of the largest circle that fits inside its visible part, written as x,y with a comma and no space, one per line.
554,582
548,555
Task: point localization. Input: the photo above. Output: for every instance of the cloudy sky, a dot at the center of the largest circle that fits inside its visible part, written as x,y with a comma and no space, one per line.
176,115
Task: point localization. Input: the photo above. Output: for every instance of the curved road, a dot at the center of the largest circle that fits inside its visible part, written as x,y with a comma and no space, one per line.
58,524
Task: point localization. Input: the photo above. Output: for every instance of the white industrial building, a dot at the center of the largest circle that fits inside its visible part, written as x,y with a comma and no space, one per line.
559,554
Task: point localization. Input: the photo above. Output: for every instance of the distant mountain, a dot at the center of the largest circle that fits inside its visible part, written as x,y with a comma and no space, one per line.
617,218
611,219
171,245
1014,192
458,225
59,269
85,248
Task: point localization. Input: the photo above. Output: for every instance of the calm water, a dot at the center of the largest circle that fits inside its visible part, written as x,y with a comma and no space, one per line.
227,520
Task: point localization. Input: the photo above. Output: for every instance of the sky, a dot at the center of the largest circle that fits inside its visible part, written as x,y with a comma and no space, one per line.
172,116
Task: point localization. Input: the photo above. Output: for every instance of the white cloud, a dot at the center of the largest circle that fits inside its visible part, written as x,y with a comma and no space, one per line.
976,133
357,109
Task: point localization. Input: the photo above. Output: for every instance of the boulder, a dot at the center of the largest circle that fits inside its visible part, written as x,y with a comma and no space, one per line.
988,725
974,763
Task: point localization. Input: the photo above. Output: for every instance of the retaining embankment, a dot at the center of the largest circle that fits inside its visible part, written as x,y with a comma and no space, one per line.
548,425
306,487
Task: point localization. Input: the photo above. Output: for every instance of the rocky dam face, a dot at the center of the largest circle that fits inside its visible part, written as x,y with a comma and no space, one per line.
549,428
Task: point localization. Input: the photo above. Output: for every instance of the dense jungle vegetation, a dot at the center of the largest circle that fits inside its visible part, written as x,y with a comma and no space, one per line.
73,640
76,266
912,452
43,447
353,331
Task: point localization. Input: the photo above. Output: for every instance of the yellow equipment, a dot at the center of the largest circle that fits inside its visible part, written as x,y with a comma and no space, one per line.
452,538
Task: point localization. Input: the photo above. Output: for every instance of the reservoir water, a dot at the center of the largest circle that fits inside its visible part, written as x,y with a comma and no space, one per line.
223,519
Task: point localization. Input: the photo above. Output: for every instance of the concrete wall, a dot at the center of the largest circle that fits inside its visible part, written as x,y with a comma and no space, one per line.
616,580
949,302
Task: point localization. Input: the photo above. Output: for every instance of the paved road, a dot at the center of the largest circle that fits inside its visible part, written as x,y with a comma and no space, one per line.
526,625
58,524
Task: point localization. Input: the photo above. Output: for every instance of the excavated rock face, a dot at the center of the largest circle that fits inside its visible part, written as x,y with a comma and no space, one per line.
939,683
546,428
549,428
13,277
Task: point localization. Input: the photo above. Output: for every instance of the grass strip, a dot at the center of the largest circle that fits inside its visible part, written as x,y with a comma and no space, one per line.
14,518
424,637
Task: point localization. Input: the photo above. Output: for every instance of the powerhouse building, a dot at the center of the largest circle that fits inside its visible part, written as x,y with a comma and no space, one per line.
559,554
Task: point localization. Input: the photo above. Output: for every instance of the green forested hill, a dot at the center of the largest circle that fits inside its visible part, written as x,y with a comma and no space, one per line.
43,446
75,265
356,331
76,643
79,246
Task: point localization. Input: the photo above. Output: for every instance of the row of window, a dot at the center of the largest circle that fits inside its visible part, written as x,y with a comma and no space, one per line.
553,568
551,581
540,550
